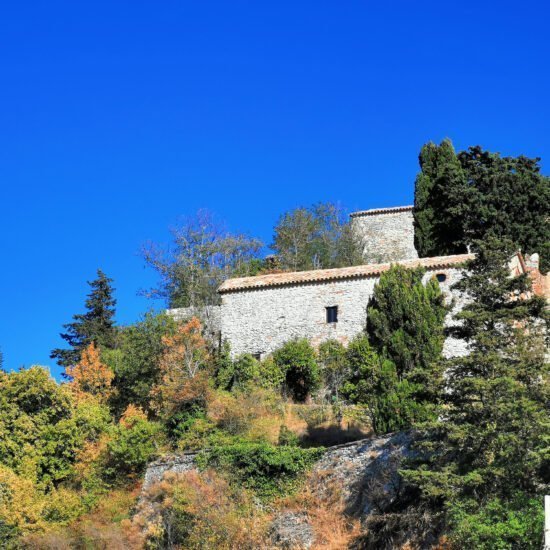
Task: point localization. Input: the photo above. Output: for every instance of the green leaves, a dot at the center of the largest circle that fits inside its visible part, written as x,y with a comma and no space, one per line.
268,470
476,194
297,359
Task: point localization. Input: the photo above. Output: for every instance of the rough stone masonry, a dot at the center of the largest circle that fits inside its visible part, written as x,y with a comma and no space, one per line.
259,314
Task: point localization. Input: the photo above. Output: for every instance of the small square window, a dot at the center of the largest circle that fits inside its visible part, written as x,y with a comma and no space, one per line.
441,277
332,314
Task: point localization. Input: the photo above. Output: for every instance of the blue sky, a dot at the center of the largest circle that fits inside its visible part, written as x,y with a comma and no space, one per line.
119,117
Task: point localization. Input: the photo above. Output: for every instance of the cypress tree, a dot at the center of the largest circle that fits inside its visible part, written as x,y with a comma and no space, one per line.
96,325
396,368
440,201
466,197
405,319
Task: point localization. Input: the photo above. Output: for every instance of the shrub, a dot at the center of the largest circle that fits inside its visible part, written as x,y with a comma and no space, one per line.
272,375
334,366
498,525
239,373
134,441
298,361
266,469
288,437
199,511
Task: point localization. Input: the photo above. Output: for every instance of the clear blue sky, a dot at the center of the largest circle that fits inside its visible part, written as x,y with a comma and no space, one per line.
119,117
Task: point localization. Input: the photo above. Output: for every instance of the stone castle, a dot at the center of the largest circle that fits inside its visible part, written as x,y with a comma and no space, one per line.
259,314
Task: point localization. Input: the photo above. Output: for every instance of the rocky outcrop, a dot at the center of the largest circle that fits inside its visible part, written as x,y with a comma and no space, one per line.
292,530
366,471
176,464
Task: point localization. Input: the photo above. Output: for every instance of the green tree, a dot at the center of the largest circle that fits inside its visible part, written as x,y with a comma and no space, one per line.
135,362
391,403
440,201
318,237
491,443
466,197
41,428
97,325
509,199
203,255
297,360
405,321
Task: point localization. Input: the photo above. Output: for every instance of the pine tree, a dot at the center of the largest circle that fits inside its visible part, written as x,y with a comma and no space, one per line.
96,325
489,447
508,198
440,201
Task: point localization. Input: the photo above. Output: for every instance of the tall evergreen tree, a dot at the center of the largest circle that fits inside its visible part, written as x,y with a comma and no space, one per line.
440,201
97,325
508,198
488,451
465,197
405,319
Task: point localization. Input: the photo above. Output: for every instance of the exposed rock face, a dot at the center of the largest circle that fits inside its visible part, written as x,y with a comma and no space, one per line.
176,464
366,471
292,530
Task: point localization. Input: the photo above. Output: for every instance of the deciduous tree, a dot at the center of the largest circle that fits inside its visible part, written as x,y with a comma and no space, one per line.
318,237
203,255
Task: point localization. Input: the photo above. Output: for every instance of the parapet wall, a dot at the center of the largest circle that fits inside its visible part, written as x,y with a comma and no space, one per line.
387,234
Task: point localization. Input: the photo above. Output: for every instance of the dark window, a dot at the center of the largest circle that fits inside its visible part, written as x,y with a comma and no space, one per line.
332,314
441,277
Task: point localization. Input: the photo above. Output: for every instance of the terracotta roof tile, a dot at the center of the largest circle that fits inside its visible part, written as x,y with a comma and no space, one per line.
376,211
325,275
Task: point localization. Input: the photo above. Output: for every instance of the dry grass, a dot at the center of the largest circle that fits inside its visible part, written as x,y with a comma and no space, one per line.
103,528
324,505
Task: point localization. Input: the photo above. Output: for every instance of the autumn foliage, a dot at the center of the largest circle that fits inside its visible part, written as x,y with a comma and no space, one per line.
183,368
90,376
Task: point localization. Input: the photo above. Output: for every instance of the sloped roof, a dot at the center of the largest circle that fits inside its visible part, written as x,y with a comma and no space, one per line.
377,211
326,275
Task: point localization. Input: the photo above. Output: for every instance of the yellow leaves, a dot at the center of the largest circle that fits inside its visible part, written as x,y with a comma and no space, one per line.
21,506
90,376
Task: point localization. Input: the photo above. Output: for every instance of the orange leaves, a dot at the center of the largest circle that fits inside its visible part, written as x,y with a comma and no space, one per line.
131,415
182,367
90,376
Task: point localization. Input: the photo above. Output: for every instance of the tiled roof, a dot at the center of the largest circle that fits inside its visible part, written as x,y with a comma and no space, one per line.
376,211
325,275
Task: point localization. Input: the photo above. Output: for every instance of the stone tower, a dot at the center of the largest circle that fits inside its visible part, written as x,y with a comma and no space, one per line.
387,234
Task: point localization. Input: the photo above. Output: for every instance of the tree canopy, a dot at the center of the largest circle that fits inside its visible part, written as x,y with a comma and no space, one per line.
317,237
475,194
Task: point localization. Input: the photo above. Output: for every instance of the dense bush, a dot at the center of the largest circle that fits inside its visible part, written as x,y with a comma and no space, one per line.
133,443
238,373
297,359
267,469
498,524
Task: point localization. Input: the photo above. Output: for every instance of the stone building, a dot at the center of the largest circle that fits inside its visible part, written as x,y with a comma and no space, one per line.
259,314
387,234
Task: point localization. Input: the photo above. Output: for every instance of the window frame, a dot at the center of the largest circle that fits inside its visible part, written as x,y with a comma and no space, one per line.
331,315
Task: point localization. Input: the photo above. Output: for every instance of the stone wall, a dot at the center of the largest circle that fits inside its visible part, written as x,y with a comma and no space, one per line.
386,234
258,321
210,316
